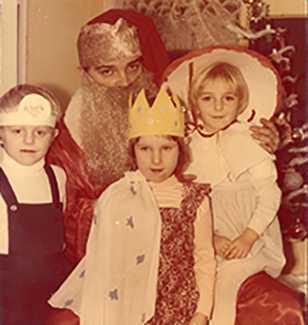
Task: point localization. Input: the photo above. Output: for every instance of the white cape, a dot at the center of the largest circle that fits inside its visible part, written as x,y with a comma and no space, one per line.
116,282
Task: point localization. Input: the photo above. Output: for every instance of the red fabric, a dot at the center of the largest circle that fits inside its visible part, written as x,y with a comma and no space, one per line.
155,56
177,295
263,300
80,192
57,316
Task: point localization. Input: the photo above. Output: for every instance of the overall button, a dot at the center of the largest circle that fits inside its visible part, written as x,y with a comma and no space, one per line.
13,207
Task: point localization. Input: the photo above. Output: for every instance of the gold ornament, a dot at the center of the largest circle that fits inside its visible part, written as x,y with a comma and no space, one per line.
256,10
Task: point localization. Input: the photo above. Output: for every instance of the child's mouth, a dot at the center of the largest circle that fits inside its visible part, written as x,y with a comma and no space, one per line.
27,151
156,171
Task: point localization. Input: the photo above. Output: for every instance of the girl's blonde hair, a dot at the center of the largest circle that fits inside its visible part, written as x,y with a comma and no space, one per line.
11,99
183,159
225,71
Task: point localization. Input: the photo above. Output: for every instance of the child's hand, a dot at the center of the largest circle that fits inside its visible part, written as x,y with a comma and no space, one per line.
199,319
241,246
221,245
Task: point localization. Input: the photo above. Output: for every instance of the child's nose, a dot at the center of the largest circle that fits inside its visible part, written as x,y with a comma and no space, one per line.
156,157
218,105
29,138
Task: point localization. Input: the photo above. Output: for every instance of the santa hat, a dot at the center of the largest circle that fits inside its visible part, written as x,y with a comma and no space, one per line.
154,54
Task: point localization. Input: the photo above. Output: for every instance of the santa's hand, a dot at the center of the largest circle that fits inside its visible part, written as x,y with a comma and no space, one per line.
221,245
267,135
189,177
199,319
241,246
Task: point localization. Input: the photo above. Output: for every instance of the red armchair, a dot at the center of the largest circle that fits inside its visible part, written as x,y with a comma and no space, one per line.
261,300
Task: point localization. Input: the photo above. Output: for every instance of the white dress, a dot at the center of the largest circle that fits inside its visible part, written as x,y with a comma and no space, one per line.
244,194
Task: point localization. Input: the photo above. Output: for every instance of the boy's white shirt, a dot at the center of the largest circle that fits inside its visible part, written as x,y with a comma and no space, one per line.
90,297
30,185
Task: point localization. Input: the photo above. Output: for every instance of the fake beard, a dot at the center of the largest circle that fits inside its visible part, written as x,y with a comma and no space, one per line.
104,123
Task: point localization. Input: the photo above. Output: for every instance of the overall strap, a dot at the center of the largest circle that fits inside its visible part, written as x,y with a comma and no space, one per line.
6,190
53,184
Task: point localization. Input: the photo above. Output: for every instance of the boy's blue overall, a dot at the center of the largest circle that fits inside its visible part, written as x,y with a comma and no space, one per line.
35,265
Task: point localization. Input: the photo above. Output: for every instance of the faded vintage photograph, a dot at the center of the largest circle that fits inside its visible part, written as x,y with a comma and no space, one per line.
153,162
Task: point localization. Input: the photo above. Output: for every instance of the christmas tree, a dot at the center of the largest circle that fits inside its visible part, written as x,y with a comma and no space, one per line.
272,39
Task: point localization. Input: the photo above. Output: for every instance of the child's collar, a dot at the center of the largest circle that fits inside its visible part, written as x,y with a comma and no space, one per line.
192,127
9,164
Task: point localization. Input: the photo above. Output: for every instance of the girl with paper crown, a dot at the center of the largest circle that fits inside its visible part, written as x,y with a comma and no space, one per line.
233,89
32,195
149,257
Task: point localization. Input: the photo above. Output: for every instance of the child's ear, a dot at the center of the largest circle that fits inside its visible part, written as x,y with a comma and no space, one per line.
1,141
81,71
187,140
55,133
197,112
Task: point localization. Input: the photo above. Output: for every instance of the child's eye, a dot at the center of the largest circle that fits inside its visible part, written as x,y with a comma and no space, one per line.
16,131
206,98
229,98
167,148
40,132
144,148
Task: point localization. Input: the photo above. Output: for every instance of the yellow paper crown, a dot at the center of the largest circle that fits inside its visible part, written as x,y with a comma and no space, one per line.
166,116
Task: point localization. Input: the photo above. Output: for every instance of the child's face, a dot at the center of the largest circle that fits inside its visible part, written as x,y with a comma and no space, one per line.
27,144
157,157
217,104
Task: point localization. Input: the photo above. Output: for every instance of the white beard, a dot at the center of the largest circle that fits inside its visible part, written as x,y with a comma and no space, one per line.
104,127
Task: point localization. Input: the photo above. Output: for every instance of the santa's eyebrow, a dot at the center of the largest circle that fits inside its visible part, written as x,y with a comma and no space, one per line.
104,67
139,59
136,60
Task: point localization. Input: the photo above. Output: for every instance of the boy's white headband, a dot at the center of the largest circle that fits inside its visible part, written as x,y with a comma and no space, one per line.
33,109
